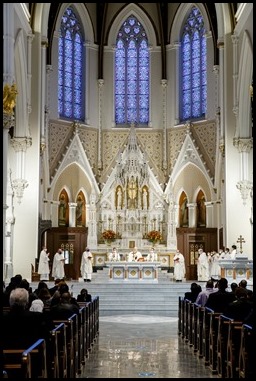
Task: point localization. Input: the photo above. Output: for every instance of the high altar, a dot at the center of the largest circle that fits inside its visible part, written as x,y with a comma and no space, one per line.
133,271
132,202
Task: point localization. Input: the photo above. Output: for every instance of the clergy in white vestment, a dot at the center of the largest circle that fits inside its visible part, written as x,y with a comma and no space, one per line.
233,253
58,265
43,265
202,266
114,256
179,266
134,255
152,255
86,265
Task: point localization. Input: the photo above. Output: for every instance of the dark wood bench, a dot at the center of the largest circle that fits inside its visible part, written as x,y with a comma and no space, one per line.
199,334
213,334
246,353
20,363
233,347
206,334
222,339
71,347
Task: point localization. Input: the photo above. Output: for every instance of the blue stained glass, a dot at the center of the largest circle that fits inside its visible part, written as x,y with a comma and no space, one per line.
70,67
131,73
194,65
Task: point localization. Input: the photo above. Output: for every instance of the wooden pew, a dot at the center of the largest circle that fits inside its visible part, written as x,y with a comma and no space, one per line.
26,363
55,352
186,319
199,335
246,353
71,347
180,315
206,334
194,326
190,323
60,331
213,334
86,331
95,317
81,338
222,340
233,347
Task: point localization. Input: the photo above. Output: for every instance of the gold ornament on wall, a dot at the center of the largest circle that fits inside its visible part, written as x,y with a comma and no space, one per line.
9,98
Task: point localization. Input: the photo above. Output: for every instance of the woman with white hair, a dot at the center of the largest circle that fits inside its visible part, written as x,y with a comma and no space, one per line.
37,305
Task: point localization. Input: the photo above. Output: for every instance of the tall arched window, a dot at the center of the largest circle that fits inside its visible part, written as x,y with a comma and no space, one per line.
71,68
193,67
132,74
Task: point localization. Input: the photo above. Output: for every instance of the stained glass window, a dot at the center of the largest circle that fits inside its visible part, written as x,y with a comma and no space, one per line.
70,68
132,74
194,65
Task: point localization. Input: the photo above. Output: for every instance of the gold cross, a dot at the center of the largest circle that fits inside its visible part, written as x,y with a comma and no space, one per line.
240,240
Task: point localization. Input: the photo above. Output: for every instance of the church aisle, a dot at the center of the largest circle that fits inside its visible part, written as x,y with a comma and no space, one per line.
133,346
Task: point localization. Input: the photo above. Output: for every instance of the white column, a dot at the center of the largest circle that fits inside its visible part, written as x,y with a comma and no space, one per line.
92,224
54,213
209,215
19,183
72,214
192,209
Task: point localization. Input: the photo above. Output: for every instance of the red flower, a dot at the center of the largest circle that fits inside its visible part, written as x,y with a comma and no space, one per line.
154,235
109,235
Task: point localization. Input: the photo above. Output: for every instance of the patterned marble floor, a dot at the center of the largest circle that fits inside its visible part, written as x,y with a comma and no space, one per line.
133,346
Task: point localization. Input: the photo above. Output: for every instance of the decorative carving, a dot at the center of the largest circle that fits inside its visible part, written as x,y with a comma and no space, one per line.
243,144
9,98
21,144
245,188
19,186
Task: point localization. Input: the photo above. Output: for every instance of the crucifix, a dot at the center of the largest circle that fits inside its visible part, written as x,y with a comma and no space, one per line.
240,241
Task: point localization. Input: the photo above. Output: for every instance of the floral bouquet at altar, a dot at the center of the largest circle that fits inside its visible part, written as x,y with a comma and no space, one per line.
109,235
154,236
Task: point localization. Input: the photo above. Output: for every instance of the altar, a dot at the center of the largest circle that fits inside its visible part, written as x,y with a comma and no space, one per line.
133,271
238,269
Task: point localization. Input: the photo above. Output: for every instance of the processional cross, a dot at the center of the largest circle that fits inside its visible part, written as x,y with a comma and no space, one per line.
240,240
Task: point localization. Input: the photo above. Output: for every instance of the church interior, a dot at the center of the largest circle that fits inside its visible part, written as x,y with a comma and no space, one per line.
130,118
128,125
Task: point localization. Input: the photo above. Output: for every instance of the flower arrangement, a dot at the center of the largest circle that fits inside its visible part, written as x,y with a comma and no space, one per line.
109,235
154,236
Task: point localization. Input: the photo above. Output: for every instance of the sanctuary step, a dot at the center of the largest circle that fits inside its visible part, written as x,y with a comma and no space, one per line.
133,298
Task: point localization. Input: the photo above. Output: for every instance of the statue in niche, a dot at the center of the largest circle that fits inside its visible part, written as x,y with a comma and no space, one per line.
201,212
145,199
79,211
62,210
119,198
184,212
132,193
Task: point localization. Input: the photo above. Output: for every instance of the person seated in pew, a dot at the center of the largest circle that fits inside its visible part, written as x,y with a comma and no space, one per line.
219,300
204,294
20,327
62,287
84,296
193,293
240,308
64,309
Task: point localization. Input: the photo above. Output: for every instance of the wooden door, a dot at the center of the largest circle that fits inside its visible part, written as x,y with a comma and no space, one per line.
189,240
73,242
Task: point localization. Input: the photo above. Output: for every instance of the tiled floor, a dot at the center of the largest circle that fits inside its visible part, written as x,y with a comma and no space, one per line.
142,347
